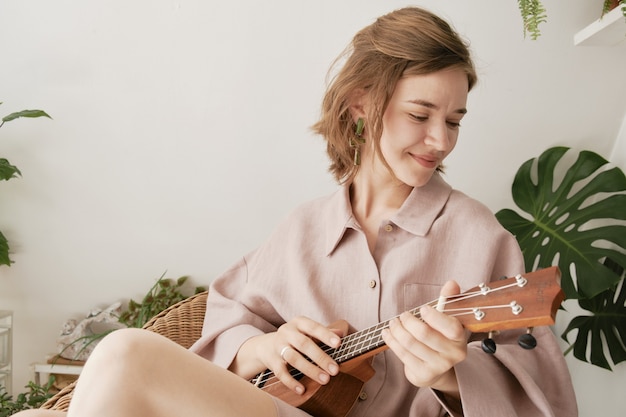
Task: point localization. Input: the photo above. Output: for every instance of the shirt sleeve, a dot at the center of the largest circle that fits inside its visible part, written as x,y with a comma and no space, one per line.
231,322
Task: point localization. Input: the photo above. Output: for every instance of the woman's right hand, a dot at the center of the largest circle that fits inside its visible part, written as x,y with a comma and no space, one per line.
292,344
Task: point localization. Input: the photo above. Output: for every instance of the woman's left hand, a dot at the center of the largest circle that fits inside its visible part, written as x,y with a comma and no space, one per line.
429,348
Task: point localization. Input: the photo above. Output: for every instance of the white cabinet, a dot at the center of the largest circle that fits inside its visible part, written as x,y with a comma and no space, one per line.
6,347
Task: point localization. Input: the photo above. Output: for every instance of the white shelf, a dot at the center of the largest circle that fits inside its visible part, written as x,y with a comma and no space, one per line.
48,368
6,346
610,30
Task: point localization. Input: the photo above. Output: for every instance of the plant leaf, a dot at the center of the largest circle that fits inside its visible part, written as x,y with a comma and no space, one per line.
26,113
8,171
605,327
563,229
533,14
4,251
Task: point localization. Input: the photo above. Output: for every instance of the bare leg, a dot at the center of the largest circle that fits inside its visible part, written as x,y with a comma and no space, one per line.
138,373
40,413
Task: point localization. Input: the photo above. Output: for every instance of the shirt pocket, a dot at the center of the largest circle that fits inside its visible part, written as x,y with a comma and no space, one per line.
416,295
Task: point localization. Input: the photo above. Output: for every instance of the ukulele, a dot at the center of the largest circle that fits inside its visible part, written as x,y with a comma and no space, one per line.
527,301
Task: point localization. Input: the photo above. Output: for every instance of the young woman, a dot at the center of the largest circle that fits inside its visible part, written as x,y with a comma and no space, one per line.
390,239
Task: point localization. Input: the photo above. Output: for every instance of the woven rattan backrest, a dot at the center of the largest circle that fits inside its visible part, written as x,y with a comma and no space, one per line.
181,323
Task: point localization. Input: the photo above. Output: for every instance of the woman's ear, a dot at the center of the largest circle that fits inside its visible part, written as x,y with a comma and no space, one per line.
359,101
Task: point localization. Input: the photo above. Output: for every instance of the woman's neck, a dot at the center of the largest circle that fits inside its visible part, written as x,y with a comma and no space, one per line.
375,199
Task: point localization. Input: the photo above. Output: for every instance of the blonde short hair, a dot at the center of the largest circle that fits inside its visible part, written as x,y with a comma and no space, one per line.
408,41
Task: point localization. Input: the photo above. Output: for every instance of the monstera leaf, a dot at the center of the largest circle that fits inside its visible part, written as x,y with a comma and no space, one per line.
607,323
575,223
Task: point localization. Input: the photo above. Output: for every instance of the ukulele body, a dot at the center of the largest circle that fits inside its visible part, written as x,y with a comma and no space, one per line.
334,399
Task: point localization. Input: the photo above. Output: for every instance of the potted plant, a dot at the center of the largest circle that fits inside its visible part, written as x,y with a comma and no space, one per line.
8,171
577,223
533,14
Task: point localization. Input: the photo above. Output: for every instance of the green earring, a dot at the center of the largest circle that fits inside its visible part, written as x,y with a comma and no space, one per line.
357,141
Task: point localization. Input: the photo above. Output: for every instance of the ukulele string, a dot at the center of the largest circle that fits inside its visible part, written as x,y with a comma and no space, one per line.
268,378
348,342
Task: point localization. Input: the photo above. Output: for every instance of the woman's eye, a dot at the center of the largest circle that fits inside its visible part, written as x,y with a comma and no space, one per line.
419,118
453,125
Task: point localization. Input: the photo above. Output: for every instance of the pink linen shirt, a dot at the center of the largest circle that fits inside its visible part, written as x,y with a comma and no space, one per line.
317,264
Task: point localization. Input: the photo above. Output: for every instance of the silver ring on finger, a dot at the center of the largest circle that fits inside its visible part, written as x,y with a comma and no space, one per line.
283,351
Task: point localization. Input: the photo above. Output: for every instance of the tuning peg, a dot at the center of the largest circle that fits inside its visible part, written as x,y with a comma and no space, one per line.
489,345
527,340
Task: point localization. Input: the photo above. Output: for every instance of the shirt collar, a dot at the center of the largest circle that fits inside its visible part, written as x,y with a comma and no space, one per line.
416,215
339,217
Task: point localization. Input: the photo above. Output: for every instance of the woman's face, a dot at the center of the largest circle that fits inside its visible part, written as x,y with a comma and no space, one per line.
421,124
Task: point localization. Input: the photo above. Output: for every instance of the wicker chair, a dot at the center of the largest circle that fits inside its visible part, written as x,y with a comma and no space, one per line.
181,323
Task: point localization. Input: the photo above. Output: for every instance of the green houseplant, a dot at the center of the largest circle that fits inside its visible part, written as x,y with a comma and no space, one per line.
164,293
577,223
533,14
31,399
8,171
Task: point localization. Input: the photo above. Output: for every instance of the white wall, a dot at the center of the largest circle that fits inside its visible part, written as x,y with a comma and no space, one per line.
180,136
618,155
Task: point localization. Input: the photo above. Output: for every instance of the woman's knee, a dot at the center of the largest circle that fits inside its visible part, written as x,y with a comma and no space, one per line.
122,349
40,413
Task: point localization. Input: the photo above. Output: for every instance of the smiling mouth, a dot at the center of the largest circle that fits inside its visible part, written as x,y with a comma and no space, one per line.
427,161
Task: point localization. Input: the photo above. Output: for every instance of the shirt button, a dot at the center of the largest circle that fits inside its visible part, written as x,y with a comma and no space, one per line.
388,228
372,284
363,396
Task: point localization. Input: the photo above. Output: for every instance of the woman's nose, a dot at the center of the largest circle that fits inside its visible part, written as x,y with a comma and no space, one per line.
438,137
